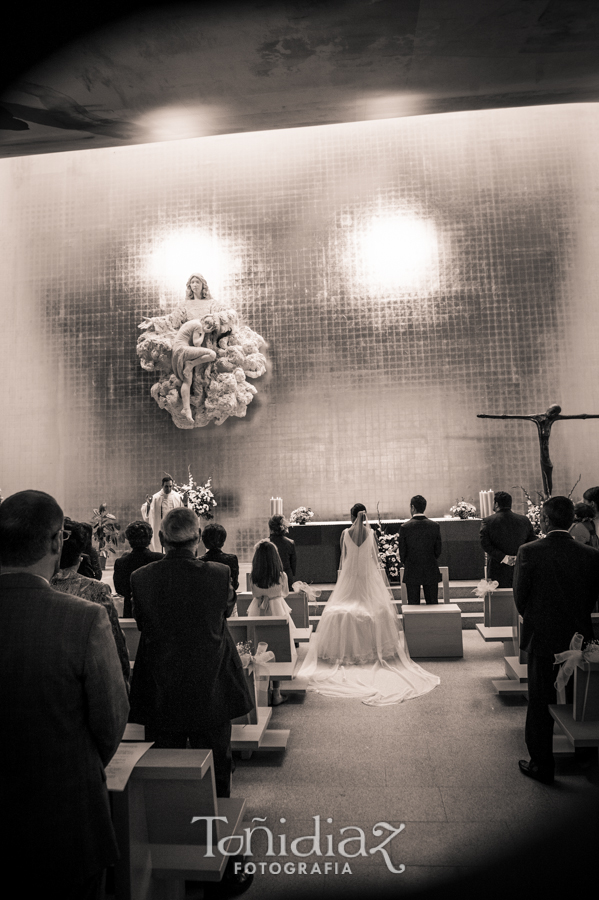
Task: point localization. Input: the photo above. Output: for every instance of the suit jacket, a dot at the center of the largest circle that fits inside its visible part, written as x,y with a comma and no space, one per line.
286,548
187,672
64,710
501,535
419,549
225,559
556,585
124,568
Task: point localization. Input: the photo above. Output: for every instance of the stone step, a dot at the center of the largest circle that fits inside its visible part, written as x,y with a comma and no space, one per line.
469,620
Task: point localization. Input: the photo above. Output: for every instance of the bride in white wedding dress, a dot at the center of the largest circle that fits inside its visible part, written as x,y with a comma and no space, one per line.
358,649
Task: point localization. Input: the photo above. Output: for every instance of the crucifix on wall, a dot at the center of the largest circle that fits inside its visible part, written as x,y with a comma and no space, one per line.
544,421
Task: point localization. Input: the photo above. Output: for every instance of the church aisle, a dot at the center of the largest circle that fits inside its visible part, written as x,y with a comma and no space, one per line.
445,765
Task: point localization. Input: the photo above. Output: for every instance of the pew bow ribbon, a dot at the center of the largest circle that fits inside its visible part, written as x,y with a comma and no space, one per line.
484,587
311,592
260,661
569,659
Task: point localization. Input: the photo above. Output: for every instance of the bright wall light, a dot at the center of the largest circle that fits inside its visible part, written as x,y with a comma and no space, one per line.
183,252
397,251
173,123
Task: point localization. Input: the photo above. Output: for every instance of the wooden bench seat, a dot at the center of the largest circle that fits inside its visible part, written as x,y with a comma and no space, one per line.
433,630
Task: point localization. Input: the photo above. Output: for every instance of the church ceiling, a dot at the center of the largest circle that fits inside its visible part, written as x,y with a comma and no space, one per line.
133,72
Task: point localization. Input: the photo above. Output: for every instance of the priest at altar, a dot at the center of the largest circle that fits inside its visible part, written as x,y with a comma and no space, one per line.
156,507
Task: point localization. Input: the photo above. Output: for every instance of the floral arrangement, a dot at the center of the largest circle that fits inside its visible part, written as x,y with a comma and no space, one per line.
591,651
105,530
301,515
463,510
388,548
200,497
533,511
244,648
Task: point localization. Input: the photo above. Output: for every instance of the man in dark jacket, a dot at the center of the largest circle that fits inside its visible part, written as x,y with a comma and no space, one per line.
188,680
279,536
420,548
556,585
500,537
139,534
64,710
213,539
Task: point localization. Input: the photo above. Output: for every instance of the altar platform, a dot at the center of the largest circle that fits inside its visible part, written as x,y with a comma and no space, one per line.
319,551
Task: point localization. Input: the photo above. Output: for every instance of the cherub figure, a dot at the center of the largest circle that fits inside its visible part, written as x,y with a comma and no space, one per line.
195,350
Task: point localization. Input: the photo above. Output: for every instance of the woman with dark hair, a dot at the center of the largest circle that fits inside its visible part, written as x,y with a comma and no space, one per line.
269,589
68,581
90,561
279,536
583,528
139,534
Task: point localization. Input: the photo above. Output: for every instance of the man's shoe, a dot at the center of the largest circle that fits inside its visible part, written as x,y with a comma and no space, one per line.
527,767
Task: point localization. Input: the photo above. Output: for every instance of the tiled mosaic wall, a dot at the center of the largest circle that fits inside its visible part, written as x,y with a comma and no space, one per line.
407,274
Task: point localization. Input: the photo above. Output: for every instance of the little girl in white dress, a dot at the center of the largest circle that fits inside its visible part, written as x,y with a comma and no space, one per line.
269,589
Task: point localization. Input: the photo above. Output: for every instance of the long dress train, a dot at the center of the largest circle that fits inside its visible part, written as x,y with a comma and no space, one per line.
358,649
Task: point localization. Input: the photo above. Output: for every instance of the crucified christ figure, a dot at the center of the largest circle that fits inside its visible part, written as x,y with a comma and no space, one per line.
544,421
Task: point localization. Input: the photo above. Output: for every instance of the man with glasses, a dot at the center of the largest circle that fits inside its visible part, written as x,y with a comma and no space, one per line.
64,709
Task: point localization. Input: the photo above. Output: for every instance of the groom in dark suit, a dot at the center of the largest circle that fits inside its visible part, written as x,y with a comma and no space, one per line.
556,585
420,548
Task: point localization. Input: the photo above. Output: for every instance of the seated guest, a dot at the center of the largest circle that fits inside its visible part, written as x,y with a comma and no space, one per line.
188,680
583,529
279,537
68,581
64,711
269,589
139,534
501,534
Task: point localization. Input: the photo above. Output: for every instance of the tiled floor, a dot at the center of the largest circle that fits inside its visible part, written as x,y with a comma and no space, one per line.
444,765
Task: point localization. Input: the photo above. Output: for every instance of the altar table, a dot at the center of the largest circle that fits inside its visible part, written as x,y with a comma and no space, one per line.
319,551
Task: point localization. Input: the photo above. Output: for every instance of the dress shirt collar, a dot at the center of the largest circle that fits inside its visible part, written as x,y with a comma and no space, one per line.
27,574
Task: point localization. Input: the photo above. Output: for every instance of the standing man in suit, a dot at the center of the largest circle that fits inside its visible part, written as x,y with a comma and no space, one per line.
500,537
139,535
420,548
556,585
64,710
188,680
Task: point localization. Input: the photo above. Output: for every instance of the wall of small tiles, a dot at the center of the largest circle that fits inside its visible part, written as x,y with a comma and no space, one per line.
406,274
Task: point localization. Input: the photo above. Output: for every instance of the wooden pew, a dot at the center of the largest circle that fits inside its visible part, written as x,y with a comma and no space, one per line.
300,614
444,585
498,608
516,669
274,631
160,847
433,630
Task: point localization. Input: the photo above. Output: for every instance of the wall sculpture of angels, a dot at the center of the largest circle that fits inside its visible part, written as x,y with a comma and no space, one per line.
202,356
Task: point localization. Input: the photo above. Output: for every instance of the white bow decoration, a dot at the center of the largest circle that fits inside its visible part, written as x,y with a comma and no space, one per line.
569,659
311,593
485,587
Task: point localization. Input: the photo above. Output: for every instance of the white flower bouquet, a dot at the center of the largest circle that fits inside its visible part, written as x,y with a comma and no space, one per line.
301,515
463,510
200,497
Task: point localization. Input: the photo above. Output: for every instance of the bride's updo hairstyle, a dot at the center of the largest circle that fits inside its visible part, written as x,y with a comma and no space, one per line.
356,508
267,567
